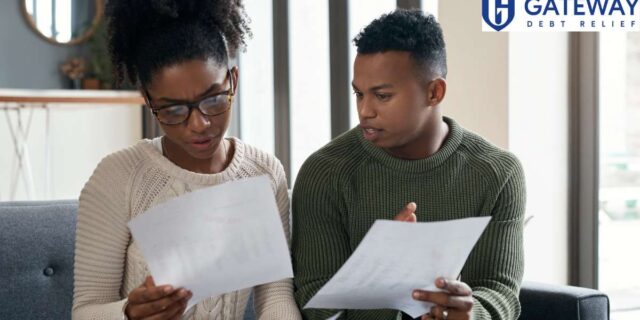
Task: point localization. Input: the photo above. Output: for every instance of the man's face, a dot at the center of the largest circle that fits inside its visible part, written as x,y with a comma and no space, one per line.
393,102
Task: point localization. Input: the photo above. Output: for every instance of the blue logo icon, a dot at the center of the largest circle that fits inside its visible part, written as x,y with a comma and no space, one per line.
498,13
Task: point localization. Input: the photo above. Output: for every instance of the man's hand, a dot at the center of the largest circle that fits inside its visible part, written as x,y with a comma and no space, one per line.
152,302
454,303
407,214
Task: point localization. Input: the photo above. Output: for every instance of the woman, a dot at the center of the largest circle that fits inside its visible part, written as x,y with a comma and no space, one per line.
177,52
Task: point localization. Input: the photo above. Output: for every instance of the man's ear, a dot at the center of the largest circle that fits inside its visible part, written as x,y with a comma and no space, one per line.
436,91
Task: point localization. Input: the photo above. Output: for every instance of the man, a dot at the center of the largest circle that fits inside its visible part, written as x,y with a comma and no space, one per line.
406,157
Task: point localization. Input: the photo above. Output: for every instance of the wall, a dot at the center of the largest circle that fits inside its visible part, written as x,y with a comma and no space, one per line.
26,60
477,91
80,135
513,90
538,135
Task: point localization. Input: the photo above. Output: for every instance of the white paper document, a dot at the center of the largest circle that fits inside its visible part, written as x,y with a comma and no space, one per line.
215,240
394,258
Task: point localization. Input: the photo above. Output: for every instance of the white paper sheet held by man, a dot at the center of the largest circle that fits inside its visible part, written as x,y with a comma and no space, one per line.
394,258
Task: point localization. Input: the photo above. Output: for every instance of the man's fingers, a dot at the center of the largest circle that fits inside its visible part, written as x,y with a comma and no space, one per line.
444,299
407,214
453,286
437,312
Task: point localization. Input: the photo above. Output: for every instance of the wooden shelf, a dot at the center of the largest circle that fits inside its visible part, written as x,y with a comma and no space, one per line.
20,96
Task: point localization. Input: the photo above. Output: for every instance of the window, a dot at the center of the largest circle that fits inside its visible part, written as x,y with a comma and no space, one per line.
361,13
256,79
310,79
308,71
53,18
430,6
43,10
619,166
63,20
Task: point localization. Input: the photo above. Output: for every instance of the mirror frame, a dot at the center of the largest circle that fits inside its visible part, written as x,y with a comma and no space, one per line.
97,19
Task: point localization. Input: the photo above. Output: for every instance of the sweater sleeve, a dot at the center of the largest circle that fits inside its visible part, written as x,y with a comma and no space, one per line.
275,300
495,267
320,240
102,237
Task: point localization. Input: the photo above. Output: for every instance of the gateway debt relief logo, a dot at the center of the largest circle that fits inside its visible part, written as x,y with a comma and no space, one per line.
560,15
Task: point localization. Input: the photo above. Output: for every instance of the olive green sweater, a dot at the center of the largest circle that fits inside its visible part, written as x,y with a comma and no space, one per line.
345,186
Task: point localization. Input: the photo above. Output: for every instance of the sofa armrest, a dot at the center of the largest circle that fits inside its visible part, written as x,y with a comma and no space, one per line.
546,301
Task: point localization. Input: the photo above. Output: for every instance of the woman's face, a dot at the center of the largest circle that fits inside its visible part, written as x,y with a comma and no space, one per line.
199,136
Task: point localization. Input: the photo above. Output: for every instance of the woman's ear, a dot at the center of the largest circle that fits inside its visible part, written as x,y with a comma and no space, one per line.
437,89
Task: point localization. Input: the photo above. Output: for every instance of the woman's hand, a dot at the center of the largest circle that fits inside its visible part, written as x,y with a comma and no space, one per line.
454,303
152,302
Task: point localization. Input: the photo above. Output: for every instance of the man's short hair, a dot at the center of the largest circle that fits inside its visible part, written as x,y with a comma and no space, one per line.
407,30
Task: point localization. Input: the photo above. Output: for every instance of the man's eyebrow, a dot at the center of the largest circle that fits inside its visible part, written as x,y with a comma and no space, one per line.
381,86
378,87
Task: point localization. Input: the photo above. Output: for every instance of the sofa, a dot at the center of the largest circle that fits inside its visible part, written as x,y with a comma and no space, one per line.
36,260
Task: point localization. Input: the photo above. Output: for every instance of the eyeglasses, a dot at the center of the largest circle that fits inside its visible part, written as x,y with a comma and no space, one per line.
211,106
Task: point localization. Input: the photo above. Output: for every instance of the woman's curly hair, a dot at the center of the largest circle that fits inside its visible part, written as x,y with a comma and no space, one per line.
147,35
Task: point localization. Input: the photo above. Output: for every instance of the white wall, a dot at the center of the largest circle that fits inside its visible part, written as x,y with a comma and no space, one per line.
80,137
513,90
538,135
477,91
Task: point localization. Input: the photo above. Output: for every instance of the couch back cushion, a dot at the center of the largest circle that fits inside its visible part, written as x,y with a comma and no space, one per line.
36,259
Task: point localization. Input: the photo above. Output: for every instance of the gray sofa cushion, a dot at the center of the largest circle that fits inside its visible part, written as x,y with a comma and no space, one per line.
36,250
544,301
37,241
36,270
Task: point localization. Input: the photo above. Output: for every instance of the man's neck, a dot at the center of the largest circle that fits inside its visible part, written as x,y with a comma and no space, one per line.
426,145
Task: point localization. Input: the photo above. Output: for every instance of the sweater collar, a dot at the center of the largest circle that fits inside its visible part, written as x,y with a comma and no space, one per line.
449,146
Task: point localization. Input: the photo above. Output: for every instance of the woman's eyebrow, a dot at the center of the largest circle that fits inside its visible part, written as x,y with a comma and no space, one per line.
206,92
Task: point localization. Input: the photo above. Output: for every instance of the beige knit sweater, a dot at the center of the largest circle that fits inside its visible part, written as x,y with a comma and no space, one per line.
108,264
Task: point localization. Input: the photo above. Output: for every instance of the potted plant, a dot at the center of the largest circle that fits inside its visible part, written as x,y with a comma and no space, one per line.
74,69
101,67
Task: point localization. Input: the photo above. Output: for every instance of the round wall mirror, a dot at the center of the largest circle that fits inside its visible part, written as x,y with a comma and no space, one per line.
63,21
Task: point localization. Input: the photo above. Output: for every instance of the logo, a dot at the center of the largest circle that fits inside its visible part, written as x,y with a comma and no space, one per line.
560,15
498,13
